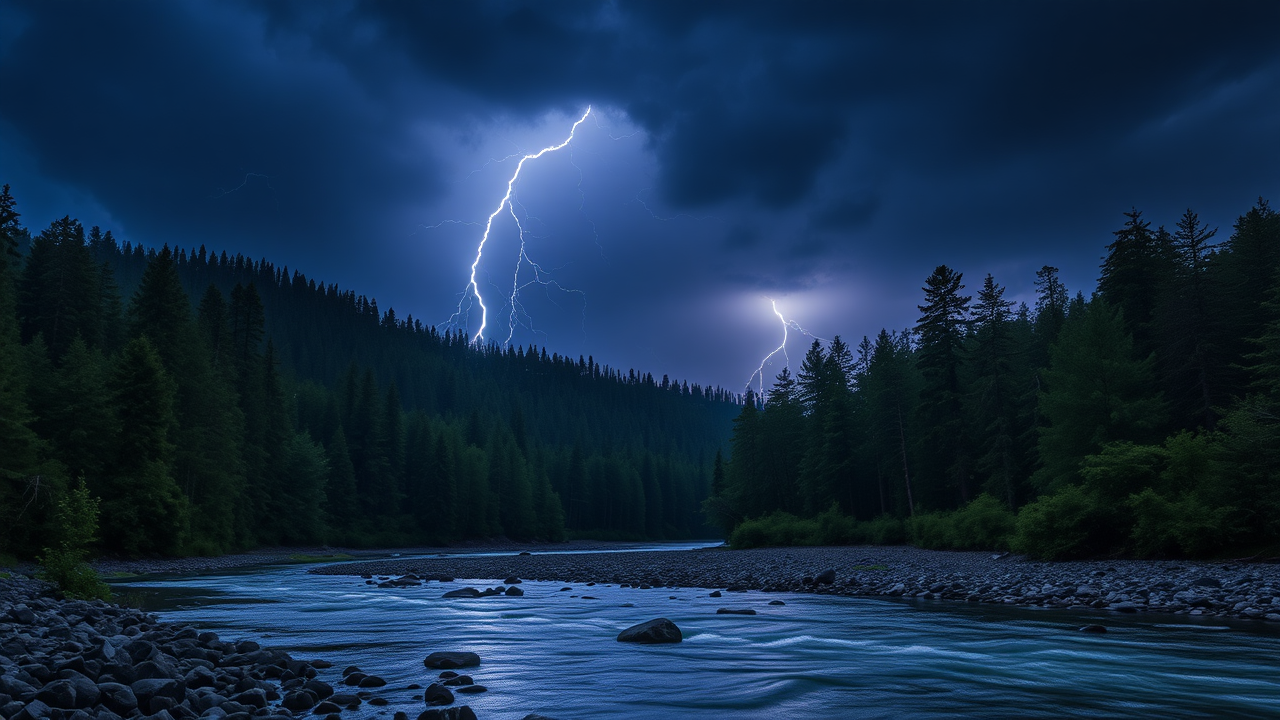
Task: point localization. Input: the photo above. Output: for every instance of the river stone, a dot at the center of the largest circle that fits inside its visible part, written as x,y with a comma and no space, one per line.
776,602
321,689
1206,582
326,707
457,680
471,689
372,681
58,694
654,632
1093,629
515,592
735,611
451,660
715,593
117,698
147,688
344,699
437,694
511,581
826,577
463,712
467,592
536,716
34,710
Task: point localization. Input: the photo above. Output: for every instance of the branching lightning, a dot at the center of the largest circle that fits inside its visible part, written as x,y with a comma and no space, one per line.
472,287
787,325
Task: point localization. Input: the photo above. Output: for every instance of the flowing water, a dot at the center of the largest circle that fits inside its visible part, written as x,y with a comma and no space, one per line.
814,657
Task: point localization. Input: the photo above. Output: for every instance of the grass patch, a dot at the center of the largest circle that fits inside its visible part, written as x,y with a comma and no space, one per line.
304,558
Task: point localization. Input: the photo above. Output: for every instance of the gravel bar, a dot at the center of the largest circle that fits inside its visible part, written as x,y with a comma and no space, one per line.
1234,589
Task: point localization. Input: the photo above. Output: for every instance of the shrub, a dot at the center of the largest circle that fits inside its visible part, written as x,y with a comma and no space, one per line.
1071,523
1187,526
930,530
983,524
75,528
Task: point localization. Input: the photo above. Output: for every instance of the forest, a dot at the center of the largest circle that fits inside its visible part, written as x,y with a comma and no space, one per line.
1143,420
204,403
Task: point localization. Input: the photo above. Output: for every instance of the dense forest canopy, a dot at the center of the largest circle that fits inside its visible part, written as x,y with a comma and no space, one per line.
1143,419
212,403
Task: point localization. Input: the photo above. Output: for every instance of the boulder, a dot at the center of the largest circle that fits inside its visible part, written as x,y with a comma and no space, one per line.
735,611
372,681
463,712
321,689
451,660
511,581
147,688
515,592
467,592
654,632
716,593
437,694
472,689
117,698
58,694
826,577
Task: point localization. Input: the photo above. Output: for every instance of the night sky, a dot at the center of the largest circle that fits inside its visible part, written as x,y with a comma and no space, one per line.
827,155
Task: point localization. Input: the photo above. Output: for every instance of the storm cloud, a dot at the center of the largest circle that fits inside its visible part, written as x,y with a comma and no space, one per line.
831,152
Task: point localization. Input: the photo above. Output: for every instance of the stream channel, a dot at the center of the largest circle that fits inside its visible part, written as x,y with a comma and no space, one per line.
818,656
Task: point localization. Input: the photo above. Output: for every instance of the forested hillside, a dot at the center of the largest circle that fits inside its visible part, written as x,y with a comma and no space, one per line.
1144,419
212,403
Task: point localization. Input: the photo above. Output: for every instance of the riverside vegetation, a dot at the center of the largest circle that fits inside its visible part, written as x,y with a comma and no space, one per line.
1144,420
230,404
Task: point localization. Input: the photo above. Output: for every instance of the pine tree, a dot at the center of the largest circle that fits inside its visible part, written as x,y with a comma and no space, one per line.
992,394
1098,390
941,329
1137,265
143,512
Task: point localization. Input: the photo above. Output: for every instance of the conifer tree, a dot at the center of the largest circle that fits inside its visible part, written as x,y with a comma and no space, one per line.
941,329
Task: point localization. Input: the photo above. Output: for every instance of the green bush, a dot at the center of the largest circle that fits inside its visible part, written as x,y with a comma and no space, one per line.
830,527
984,524
75,528
1071,523
1186,526
930,530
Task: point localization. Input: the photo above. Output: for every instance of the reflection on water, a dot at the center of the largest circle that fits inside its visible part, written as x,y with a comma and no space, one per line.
814,657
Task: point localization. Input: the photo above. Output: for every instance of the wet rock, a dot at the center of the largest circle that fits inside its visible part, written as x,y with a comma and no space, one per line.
372,681
471,689
715,593
344,699
451,660
349,669
776,602
299,701
325,707
511,581
463,712
826,577
354,679
1206,582
34,710
58,694
321,689
457,680
653,632
378,701
515,592
467,592
437,694
1093,629
735,611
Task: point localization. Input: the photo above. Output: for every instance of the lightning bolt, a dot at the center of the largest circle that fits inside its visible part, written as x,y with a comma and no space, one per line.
787,325
472,287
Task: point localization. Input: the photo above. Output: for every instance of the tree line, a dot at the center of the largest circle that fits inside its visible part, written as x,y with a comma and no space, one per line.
1144,419
210,403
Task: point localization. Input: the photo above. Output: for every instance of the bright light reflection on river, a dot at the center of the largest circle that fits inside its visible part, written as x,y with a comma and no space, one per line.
815,657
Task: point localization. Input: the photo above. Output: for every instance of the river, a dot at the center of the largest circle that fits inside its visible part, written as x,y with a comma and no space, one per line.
553,652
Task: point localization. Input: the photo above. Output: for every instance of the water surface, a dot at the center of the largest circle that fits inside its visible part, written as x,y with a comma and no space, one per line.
814,657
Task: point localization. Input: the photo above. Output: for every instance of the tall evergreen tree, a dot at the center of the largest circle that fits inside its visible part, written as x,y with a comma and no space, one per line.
941,329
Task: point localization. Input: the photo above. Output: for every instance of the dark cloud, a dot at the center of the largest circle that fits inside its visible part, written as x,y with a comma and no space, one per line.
818,133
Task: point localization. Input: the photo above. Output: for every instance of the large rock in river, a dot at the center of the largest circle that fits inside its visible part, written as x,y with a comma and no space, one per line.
451,660
653,632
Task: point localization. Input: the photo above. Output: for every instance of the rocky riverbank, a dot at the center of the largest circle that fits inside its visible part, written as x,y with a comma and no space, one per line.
89,660
1223,589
